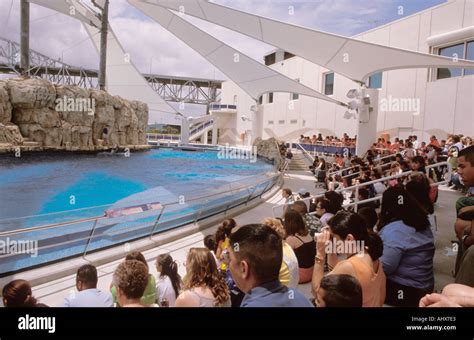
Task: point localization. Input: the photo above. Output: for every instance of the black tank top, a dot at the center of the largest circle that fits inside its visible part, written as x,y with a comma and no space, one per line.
305,253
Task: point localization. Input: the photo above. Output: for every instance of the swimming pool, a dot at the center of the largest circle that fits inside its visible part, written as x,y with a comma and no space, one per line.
39,190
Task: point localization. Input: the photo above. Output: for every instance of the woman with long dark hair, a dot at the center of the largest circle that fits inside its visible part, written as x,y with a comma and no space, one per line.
18,293
408,248
348,235
168,284
303,245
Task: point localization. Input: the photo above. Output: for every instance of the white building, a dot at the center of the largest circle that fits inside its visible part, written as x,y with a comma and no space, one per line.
413,101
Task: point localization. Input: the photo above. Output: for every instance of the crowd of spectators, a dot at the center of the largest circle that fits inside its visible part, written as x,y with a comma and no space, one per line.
369,256
345,140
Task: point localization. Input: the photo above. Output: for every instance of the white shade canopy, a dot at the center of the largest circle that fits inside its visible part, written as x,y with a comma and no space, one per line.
72,8
355,59
123,78
253,77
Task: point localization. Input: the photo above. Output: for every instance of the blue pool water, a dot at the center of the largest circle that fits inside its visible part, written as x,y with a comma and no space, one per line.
43,189
45,184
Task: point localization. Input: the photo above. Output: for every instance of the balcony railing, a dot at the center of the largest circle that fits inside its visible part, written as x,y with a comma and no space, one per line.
216,107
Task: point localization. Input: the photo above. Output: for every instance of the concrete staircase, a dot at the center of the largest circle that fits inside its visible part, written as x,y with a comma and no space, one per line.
298,162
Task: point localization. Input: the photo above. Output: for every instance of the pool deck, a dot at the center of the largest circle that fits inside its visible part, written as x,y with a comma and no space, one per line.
53,292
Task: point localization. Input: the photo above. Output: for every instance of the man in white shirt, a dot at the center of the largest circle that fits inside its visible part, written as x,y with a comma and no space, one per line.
415,142
88,295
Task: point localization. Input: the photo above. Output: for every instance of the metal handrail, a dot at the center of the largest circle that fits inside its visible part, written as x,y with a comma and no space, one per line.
201,127
375,167
305,152
355,166
383,179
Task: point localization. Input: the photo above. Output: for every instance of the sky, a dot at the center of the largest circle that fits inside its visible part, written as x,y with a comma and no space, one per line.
154,49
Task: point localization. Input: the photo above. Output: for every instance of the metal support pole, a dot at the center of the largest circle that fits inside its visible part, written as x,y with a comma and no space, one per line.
356,199
90,238
25,38
156,222
103,45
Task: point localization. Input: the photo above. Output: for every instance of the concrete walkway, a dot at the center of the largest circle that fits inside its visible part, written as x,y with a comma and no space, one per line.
54,292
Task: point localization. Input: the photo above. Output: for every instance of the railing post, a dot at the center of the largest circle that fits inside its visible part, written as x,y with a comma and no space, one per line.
248,198
356,199
261,194
156,222
90,238
199,213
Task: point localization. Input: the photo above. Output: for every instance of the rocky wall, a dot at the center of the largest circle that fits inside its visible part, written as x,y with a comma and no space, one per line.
68,117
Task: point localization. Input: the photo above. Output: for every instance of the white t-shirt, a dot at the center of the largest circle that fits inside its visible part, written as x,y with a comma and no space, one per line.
379,188
325,218
89,298
165,290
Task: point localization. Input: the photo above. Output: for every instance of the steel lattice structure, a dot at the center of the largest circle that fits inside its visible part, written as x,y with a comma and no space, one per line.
172,89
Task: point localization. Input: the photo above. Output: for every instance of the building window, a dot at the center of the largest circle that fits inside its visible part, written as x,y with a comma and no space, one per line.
288,55
281,122
375,81
294,121
270,59
235,99
260,100
455,51
304,122
270,98
270,122
295,96
469,56
329,83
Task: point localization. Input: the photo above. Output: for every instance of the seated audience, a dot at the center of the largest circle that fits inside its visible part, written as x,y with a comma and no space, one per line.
88,295
339,291
464,223
289,271
362,250
222,239
210,243
255,262
204,286
149,296
324,209
312,223
408,248
419,188
169,283
130,280
289,199
335,199
370,217
297,236
18,293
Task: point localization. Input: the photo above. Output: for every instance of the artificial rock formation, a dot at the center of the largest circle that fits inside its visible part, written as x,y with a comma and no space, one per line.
269,149
67,117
